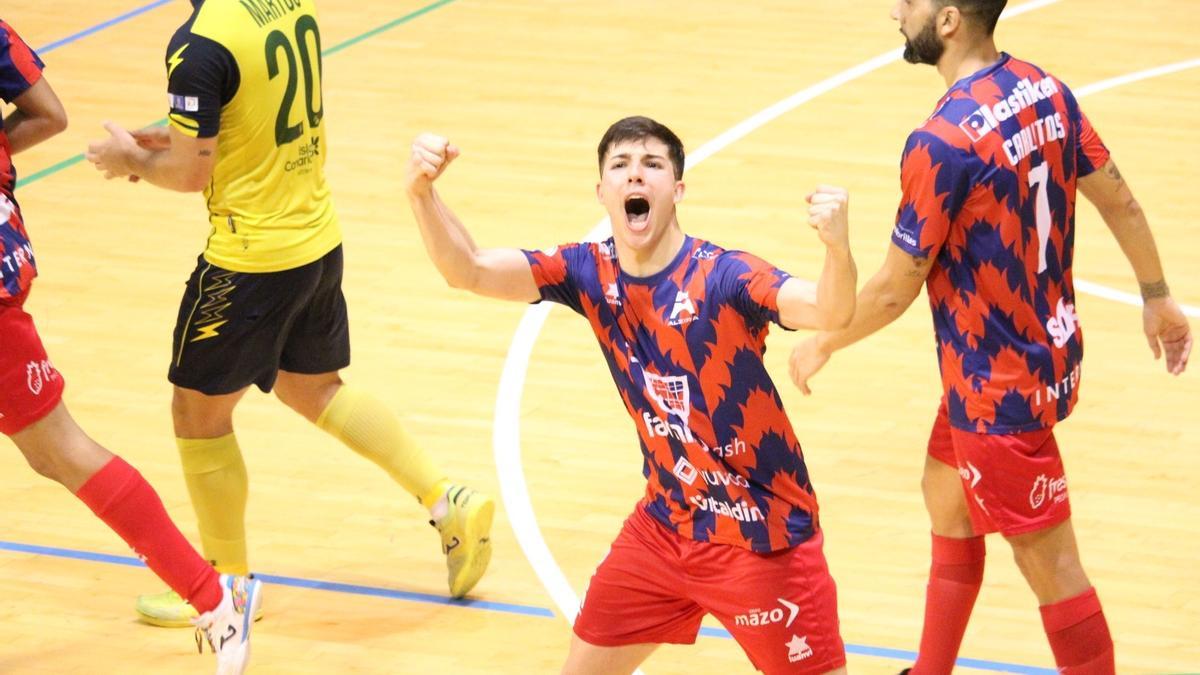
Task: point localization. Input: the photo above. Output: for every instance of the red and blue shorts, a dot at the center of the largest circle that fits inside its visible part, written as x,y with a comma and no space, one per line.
30,387
1014,483
655,587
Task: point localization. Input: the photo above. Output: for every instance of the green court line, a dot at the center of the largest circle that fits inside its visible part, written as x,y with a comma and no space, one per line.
72,161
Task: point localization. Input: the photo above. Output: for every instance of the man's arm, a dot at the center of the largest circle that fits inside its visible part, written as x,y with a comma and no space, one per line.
499,272
829,304
1164,324
882,300
39,115
185,164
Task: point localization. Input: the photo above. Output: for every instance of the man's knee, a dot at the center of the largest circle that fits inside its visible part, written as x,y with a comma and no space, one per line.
945,500
308,395
199,415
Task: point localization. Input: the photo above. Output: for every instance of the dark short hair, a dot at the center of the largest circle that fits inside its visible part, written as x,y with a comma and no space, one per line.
639,129
984,13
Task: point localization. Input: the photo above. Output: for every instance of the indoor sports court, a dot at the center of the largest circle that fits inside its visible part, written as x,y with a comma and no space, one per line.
771,97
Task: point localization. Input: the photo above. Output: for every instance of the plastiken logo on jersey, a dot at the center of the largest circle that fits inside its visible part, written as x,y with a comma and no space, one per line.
670,393
987,118
606,250
684,310
1046,489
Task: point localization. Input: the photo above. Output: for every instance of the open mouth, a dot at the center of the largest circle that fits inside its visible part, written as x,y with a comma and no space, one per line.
637,212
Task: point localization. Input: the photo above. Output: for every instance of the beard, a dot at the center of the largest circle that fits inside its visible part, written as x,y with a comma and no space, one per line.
926,47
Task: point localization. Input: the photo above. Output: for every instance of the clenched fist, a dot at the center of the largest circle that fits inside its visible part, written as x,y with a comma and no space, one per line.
431,154
828,214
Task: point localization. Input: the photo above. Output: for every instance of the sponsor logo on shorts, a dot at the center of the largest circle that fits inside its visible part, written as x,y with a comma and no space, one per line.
37,374
215,295
798,649
970,473
1046,489
757,617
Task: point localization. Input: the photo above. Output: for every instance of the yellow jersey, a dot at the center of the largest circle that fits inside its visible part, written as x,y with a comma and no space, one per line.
249,73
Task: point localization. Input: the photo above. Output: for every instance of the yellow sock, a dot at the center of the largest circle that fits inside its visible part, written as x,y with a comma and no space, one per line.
216,480
371,429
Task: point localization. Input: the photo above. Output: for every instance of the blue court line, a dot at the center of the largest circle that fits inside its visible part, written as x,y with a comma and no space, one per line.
101,26
311,584
72,161
505,607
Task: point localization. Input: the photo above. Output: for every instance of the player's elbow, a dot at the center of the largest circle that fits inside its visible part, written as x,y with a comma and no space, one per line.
840,318
460,277
56,121
194,181
894,302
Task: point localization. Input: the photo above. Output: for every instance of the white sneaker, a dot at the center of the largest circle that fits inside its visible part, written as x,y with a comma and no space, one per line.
227,628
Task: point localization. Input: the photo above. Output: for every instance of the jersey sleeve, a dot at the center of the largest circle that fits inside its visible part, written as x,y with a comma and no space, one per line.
935,182
556,273
202,77
751,285
1092,153
20,67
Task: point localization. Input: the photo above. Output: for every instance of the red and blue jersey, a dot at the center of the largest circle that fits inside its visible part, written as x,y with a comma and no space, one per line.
685,349
989,192
20,68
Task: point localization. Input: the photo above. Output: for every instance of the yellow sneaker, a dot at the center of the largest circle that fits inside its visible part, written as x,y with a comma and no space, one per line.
168,610
466,537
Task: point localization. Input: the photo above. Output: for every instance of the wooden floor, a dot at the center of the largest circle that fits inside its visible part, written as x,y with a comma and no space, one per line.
526,88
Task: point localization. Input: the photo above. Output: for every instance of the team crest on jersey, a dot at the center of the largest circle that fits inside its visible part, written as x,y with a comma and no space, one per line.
670,393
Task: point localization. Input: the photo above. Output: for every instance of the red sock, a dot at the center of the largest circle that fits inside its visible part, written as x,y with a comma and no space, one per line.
954,580
119,496
1079,635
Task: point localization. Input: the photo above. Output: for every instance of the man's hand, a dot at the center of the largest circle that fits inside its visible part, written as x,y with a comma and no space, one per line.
114,155
1167,331
431,154
807,358
828,214
153,138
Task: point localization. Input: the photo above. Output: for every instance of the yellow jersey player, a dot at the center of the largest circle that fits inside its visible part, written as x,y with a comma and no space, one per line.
264,305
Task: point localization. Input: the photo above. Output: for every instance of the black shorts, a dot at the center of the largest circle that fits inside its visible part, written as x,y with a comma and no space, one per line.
237,328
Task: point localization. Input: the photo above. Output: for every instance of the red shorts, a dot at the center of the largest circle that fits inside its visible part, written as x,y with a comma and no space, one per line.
1014,483
30,387
655,586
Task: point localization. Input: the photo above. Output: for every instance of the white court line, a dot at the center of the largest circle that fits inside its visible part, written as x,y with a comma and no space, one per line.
506,430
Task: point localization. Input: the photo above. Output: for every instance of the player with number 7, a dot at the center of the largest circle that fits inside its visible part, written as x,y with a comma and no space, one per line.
987,222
